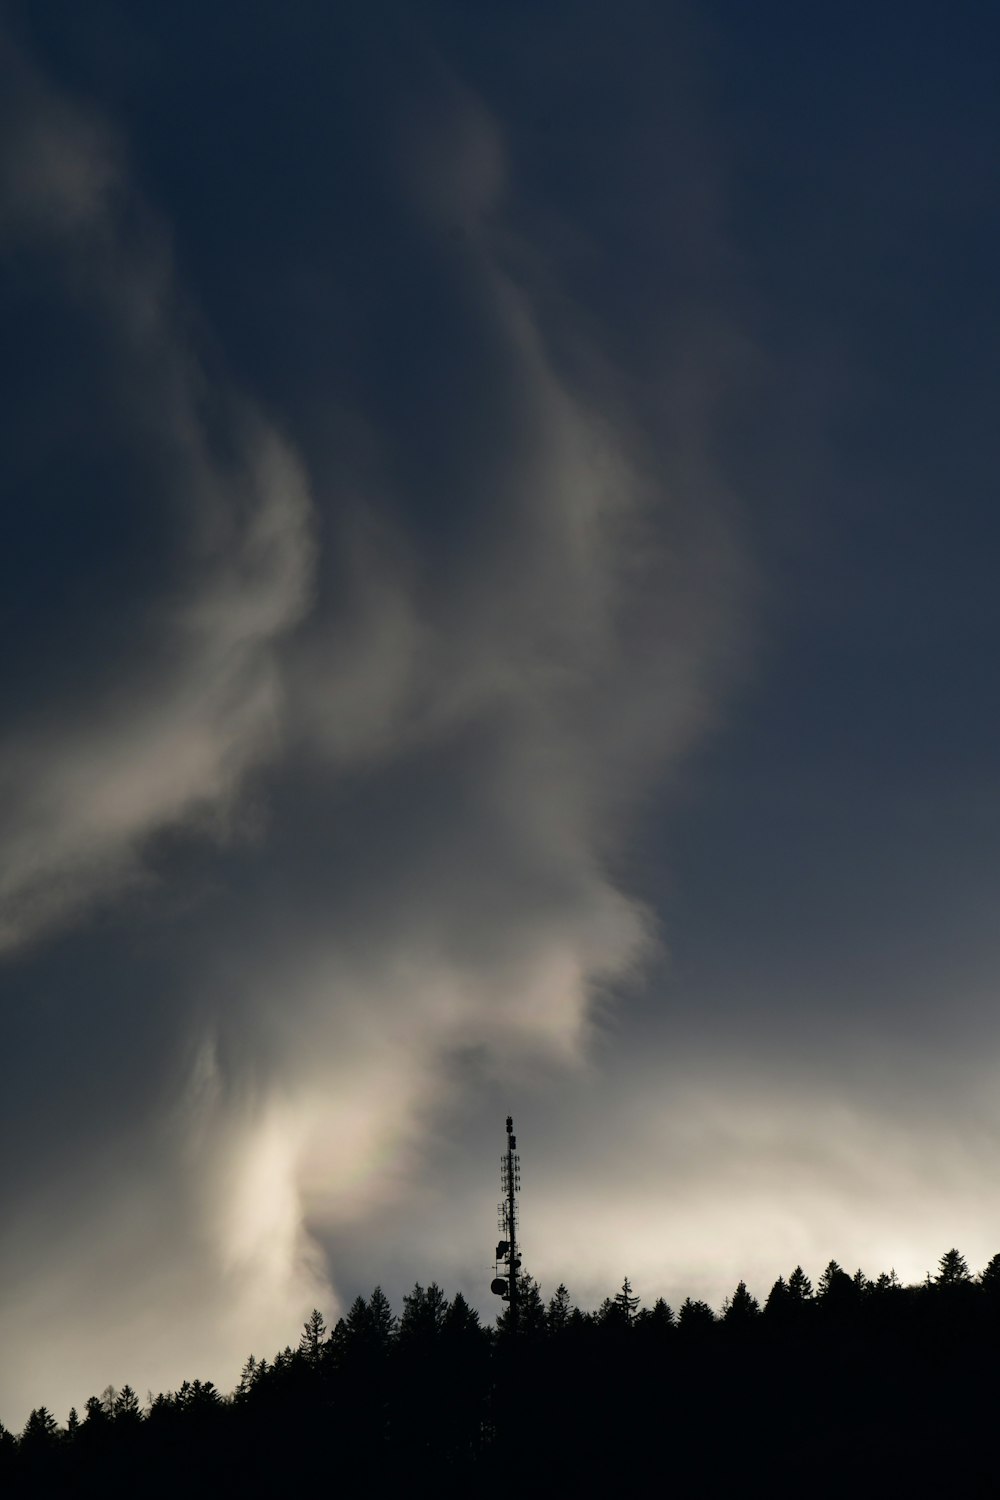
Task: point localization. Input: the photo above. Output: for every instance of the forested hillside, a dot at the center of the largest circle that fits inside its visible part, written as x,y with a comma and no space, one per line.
853,1387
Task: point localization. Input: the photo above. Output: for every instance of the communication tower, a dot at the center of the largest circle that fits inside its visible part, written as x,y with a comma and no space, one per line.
504,1282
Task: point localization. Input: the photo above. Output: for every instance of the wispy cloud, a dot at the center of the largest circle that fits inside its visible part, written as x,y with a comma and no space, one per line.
461,684
160,729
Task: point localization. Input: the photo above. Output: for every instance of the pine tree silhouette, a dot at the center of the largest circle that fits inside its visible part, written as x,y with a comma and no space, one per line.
626,1302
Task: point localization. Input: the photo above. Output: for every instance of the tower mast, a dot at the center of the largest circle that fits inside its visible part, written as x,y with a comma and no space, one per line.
507,1259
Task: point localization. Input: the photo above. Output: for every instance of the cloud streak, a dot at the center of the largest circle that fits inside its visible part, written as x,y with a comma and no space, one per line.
162,728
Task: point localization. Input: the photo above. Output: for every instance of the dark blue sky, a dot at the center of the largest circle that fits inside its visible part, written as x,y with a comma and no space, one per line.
499,534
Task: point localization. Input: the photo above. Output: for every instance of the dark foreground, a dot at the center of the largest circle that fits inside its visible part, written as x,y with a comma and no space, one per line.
861,1389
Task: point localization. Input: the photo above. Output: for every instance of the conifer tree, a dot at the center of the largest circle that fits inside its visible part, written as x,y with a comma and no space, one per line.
159,1408
383,1320
424,1311
799,1286
778,1303
989,1278
126,1407
953,1269
626,1303
94,1414
313,1338
886,1282
838,1295
531,1308
694,1317
833,1277
353,1336
201,1395
462,1321
742,1308
40,1431
248,1377
660,1315
557,1312
799,1302
531,1317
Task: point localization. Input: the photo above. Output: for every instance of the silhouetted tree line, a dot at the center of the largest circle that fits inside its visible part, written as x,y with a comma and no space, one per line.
853,1387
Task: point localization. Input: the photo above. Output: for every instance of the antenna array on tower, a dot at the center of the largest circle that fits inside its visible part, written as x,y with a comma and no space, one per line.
504,1282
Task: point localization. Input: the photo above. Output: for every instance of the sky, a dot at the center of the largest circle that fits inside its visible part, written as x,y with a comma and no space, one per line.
499,527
